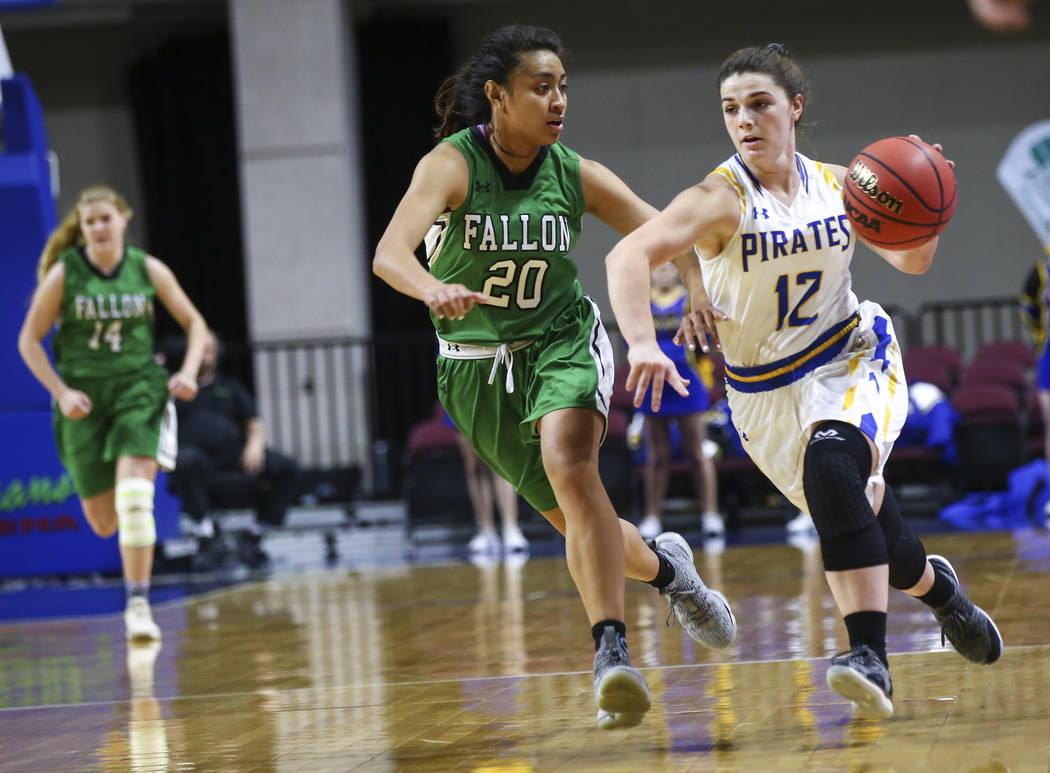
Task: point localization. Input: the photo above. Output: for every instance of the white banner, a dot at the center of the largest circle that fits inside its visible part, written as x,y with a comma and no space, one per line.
5,61
1025,173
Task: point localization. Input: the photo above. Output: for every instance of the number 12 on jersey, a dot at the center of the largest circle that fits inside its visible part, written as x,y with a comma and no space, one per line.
811,278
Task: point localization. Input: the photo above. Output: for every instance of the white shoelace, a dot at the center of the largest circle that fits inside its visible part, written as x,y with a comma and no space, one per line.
503,354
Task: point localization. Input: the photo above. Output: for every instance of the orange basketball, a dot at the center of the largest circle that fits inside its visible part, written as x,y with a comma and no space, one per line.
899,193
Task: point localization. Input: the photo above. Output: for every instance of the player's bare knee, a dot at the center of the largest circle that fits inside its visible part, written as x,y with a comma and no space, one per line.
103,528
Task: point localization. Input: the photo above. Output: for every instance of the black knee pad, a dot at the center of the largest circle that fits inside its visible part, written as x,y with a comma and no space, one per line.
834,476
906,553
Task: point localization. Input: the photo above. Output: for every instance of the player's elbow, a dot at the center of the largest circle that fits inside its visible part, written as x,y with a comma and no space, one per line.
622,254
26,341
380,264
917,264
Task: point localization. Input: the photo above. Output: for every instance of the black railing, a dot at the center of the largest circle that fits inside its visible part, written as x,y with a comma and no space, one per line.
966,324
352,401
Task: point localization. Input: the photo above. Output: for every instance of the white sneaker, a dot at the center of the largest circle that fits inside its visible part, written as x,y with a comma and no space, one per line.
712,525
801,524
650,527
514,541
484,542
138,620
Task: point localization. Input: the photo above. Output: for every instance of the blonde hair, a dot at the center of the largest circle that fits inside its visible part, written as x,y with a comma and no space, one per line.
68,234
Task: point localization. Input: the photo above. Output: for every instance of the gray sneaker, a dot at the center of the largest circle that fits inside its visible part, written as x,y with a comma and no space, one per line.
860,676
968,627
704,613
619,688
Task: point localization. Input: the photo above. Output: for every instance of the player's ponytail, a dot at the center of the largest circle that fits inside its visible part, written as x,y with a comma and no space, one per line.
461,102
68,234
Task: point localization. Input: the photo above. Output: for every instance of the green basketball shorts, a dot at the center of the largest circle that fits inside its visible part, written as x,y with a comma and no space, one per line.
496,396
125,420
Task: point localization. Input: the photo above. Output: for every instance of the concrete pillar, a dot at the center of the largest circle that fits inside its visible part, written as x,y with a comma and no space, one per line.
306,261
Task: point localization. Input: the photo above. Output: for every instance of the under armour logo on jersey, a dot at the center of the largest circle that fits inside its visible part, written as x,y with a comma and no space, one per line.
451,347
827,434
743,434
763,212
480,187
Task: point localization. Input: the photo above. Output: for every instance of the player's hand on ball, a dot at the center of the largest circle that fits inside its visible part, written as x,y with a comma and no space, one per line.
74,404
651,368
936,146
452,301
182,386
697,325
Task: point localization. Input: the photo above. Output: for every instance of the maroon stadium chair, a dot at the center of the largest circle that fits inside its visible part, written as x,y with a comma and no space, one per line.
1007,373
945,356
1015,351
989,436
932,373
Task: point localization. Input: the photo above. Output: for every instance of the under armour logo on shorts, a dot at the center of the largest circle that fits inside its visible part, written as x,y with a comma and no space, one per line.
827,434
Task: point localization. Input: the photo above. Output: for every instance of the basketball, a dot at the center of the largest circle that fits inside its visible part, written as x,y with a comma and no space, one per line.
899,193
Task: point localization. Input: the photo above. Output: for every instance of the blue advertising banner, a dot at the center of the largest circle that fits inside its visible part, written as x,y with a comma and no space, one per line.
42,528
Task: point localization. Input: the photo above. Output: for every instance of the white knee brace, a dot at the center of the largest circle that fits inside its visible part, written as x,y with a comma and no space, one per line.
135,512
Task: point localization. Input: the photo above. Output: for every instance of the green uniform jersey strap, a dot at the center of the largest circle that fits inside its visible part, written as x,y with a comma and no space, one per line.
105,327
510,239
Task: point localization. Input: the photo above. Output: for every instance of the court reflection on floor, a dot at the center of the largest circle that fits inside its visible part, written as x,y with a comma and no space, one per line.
455,666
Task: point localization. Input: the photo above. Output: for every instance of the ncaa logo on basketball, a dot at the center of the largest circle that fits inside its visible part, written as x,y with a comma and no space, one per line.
862,218
868,182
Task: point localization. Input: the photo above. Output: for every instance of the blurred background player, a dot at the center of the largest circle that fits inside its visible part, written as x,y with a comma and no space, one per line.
488,491
669,302
112,417
1035,312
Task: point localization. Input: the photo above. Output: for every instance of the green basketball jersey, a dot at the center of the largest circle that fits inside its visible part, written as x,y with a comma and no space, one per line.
511,240
105,326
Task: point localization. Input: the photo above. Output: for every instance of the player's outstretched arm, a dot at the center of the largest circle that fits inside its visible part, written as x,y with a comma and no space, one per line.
438,185
708,211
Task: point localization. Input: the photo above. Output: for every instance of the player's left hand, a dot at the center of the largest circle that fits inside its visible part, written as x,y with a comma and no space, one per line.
698,324
182,386
936,146
650,367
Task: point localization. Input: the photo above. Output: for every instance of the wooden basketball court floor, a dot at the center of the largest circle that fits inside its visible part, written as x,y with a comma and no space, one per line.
456,667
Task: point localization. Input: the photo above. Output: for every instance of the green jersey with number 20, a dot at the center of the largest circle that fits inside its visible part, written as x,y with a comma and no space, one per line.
105,327
510,239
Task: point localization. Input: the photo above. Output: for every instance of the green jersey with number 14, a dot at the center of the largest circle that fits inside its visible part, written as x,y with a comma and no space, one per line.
105,327
510,239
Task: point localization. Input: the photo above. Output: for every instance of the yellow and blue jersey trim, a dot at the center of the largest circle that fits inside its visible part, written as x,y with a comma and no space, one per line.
763,378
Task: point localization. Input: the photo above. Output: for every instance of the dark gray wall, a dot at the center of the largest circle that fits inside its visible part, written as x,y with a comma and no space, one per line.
78,63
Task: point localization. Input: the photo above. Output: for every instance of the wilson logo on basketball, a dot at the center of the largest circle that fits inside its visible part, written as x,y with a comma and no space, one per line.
868,182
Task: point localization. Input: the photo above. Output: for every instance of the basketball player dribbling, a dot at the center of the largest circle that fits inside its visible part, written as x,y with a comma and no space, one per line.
525,367
814,378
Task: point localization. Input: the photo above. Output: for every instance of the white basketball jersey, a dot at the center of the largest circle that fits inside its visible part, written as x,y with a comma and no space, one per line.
783,278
